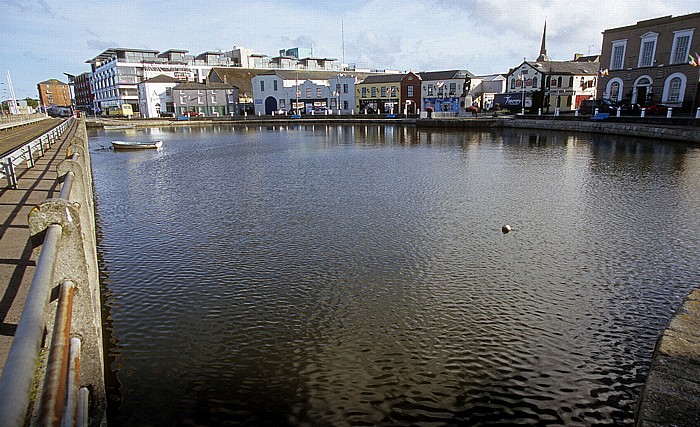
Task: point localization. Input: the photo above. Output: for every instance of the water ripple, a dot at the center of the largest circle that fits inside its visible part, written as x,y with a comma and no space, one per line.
358,275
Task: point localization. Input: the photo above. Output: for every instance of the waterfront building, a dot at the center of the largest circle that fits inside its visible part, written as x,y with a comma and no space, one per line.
553,86
308,92
241,78
82,95
447,91
54,93
205,99
156,96
117,72
486,89
649,62
389,93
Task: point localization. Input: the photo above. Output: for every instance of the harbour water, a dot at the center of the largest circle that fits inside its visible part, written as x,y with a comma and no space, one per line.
358,275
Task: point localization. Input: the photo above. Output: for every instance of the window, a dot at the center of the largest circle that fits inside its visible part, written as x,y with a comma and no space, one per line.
674,88
308,92
409,91
345,88
681,46
647,50
274,85
512,84
453,88
383,92
554,82
282,104
534,82
374,92
674,91
168,91
571,81
262,85
559,81
337,88
617,57
430,90
199,100
318,92
213,98
345,105
364,92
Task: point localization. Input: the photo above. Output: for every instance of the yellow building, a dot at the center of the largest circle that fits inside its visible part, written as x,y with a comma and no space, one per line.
379,94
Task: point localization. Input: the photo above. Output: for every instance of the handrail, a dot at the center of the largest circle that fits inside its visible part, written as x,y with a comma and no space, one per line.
74,378
25,152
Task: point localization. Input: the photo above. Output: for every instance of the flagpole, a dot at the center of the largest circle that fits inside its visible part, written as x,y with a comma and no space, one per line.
522,90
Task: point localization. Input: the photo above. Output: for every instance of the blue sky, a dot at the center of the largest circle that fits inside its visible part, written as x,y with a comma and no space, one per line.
42,39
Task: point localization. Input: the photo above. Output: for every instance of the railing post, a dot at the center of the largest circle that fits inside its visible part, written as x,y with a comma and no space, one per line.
9,171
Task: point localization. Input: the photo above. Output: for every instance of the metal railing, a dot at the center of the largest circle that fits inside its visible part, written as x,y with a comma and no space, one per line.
12,119
28,152
72,391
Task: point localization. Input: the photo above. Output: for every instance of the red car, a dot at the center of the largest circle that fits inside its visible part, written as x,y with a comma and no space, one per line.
656,109
191,114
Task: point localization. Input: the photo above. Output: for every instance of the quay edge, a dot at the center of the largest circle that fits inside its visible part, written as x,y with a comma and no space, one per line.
688,132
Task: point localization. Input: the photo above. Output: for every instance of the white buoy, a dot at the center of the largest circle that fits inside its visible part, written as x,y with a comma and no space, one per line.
506,229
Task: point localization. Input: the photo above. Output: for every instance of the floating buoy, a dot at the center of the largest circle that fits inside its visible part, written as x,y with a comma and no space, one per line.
506,229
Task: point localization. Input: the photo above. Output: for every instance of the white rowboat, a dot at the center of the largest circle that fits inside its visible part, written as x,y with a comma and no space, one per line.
115,127
136,145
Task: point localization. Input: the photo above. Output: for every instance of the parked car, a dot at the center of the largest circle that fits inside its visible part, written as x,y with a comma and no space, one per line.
191,114
656,109
589,106
630,109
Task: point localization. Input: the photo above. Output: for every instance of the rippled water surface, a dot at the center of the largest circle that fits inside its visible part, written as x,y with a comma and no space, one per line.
340,275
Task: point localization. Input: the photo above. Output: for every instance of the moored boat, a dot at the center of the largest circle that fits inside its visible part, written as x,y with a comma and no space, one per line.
124,126
136,145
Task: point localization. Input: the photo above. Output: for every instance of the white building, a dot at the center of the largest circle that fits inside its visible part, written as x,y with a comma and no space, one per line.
156,96
288,91
447,91
487,89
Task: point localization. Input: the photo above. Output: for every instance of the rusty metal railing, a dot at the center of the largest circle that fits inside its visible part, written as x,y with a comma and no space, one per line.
72,391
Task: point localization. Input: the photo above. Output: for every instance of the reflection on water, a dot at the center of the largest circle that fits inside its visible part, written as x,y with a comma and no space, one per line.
357,275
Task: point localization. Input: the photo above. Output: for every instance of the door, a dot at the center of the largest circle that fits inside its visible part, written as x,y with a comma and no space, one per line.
270,105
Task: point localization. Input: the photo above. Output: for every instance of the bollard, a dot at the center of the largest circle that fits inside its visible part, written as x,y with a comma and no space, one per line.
576,112
643,113
556,111
669,112
595,111
697,113
539,111
619,111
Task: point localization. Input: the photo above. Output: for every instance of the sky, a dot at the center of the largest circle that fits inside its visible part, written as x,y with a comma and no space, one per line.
43,39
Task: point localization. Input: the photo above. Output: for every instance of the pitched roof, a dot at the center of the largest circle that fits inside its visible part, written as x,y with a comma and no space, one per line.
312,75
383,78
162,78
203,86
239,77
445,75
566,67
53,82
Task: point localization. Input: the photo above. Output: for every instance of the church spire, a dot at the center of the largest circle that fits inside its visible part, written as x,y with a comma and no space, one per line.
543,49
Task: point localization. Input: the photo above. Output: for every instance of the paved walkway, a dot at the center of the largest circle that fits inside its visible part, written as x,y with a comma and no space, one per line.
17,265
